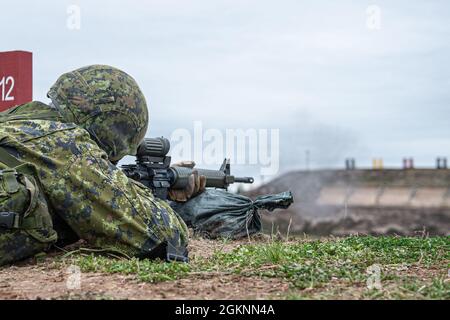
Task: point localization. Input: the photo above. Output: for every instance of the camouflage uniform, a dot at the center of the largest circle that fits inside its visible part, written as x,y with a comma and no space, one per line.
99,115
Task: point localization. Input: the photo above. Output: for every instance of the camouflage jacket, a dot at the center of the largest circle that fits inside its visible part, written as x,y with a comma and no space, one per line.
93,196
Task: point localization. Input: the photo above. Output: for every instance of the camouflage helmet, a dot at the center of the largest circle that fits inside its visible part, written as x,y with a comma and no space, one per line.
108,103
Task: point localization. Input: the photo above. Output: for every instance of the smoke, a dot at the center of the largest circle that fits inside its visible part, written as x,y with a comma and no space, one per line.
311,144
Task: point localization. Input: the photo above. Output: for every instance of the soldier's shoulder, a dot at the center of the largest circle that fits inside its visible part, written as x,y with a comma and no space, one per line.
59,139
30,108
24,127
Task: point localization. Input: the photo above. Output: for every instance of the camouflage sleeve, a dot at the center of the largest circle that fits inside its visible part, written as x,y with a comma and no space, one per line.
98,201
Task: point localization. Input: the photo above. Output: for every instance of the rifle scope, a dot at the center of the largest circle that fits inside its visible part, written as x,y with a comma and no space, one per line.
153,147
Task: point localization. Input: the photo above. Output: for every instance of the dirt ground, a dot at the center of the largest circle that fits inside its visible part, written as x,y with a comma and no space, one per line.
47,281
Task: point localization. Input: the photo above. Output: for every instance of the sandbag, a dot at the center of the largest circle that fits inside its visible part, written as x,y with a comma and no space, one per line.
218,213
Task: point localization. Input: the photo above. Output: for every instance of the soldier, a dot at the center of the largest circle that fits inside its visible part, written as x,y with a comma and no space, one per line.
97,116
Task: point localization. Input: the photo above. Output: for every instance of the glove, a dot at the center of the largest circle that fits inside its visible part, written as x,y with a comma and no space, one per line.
196,184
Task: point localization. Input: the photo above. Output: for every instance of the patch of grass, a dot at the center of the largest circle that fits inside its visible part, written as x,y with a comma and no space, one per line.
307,265
437,288
320,268
145,270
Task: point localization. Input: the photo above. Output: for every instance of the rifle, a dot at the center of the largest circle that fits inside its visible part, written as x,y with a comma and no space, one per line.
153,169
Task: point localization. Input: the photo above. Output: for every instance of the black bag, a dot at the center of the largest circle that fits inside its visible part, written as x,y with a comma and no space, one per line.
217,213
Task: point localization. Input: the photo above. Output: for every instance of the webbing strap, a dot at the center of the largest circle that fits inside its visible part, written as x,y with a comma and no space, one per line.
8,159
176,251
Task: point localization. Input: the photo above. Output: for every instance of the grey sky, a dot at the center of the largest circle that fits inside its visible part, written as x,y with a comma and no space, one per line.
310,68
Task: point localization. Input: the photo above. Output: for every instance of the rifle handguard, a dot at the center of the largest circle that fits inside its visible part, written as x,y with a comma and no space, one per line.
214,178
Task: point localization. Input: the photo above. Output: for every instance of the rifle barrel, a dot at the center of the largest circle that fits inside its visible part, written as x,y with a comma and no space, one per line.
244,179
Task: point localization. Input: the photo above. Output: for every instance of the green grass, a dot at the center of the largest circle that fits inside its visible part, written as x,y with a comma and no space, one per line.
329,268
146,270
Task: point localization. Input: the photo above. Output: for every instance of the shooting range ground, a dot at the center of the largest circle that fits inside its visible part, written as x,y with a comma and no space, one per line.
376,202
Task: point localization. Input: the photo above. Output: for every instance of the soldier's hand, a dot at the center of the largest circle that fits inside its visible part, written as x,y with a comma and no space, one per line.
196,184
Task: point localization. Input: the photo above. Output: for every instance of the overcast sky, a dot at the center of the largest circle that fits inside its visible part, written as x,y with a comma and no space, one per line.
313,69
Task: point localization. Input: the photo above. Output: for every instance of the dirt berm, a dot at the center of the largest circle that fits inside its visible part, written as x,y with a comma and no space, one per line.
342,202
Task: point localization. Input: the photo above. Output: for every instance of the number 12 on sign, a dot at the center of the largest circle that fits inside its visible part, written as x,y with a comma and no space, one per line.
6,87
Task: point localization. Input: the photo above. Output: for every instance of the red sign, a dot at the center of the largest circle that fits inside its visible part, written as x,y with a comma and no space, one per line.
16,78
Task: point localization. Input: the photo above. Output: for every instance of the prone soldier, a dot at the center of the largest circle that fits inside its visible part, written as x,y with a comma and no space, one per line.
58,176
